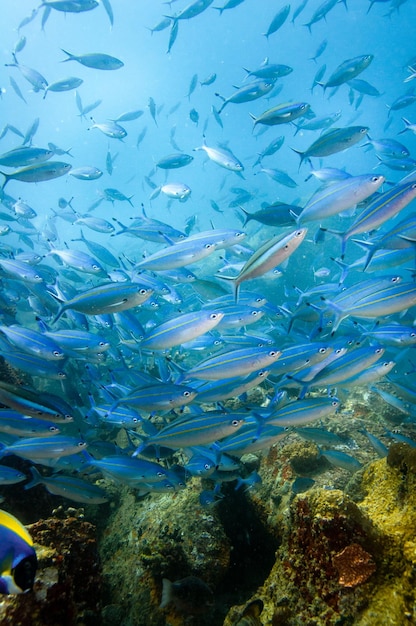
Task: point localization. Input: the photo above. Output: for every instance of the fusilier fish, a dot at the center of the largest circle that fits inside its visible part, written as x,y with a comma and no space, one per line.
281,114
95,60
333,141
38,172
222,157
106,298
272,253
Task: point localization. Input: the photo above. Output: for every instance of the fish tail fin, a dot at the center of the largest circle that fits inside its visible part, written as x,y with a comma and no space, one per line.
167,593
345,268
36,478
70,56
407,124
246,215
6,179
235,286
58,315
300,154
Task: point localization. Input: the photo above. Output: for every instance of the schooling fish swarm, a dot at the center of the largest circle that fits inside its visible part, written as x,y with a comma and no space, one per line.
146,325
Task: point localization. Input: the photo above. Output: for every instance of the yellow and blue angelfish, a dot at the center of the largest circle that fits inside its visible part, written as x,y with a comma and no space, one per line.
18,560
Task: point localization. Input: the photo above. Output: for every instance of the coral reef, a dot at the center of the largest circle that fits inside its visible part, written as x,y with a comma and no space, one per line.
342,561
67,588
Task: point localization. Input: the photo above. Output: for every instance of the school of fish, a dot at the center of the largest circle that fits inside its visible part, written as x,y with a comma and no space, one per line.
288,268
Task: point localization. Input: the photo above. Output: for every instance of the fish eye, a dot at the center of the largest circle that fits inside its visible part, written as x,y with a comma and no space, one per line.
56,353
375,179
413,334
414,186
335,403
207,466
186,394
213,316
159,473
322,350
95,267
254,313
235,422
143,292
363,130
81,444
379,350
272,353
53,429
102,343
208,246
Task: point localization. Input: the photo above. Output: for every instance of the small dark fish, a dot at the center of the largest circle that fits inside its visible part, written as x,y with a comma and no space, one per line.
192,85
278,20
16,89
165,23
172,35
31,132
152,108
174,161
274,215
209,79
194,116
301,484
320,50
129,116
189,595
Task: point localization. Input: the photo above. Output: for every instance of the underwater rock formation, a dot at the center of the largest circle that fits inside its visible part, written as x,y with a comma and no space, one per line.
346,562
167,536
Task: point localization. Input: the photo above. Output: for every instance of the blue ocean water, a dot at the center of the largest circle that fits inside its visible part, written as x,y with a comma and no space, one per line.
209,43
